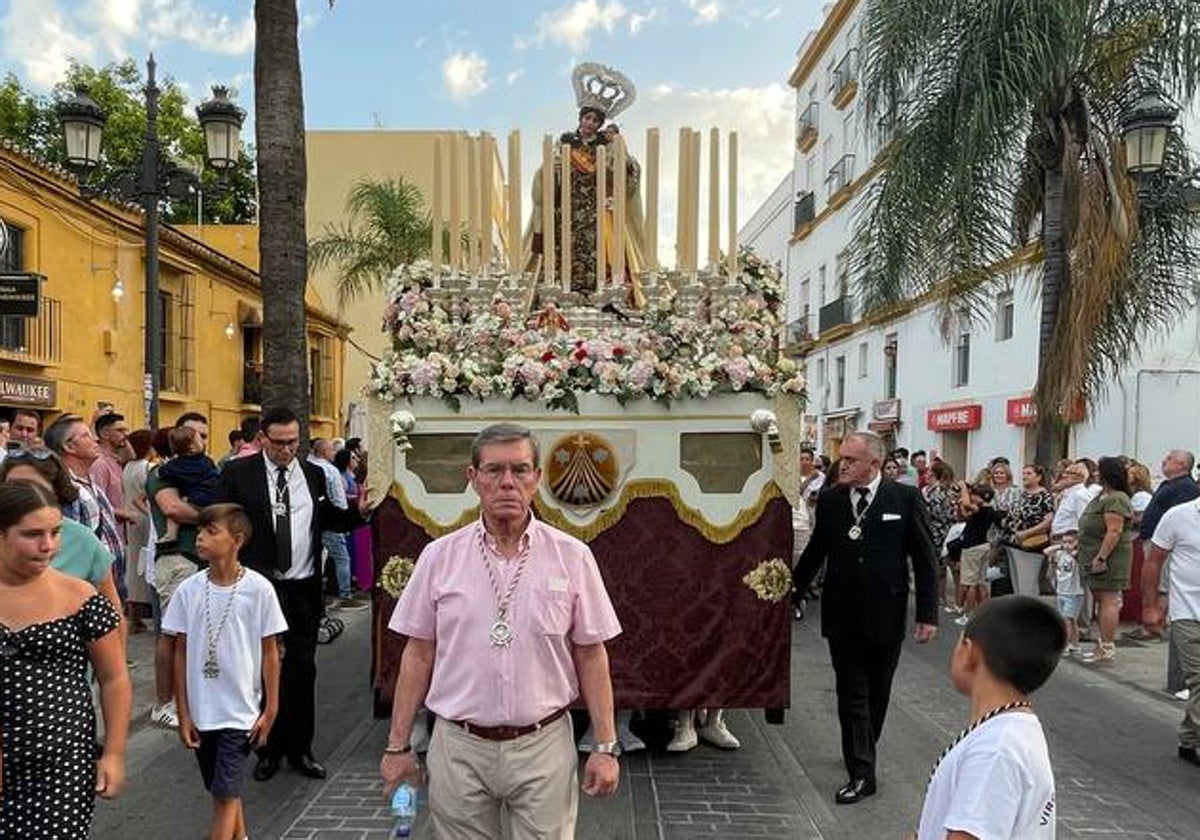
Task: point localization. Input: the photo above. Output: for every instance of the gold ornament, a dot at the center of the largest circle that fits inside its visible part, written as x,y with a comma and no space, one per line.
581,469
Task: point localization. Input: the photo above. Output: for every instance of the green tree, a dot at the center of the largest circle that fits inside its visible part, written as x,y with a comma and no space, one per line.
30,120
387,226
1007,145
282,180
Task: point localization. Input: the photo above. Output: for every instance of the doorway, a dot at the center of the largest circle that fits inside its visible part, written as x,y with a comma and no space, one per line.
954,452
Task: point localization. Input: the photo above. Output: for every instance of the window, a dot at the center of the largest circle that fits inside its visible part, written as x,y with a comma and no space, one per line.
842,267
320,375
806,306
821,291
810,173
848,134
863,350
891,346
13,328
962,358
1004,316
820,372
252,365
839,366
176,332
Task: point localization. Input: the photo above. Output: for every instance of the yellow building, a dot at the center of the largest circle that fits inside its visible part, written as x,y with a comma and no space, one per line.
337,162
85,346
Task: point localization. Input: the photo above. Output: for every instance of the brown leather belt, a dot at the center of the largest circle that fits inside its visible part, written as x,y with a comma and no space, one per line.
507,733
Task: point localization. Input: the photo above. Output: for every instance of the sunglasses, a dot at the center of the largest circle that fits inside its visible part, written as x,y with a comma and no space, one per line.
27,453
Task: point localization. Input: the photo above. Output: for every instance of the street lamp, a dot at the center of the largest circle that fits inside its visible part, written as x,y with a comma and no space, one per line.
1145,128
154,180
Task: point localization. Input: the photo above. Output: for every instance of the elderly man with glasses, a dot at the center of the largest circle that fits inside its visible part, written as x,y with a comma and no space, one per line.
289,508
506,620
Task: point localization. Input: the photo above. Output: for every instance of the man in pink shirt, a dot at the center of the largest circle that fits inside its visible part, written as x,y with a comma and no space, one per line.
506,621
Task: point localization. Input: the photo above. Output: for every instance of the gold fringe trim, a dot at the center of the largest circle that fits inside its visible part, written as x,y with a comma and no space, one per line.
640,488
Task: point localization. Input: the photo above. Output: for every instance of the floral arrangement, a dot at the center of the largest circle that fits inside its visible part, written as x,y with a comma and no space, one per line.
451,348
396,574
770,580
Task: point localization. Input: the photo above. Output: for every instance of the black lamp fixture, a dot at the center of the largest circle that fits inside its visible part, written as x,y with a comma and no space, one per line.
83,123
222,122
1144,129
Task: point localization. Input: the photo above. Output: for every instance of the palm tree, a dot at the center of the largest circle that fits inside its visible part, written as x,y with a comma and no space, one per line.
282,180
1008,153
387,226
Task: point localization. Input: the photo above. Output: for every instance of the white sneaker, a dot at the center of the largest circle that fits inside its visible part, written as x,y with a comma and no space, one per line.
685,733
165,715
1183,694
715,732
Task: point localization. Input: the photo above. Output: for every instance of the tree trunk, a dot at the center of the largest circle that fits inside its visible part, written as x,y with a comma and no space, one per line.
1055,281
282,182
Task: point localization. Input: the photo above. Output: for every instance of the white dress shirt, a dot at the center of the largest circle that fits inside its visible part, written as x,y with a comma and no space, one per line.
871,489
303,508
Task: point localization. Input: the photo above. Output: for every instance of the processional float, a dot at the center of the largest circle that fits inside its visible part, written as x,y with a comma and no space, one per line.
668,421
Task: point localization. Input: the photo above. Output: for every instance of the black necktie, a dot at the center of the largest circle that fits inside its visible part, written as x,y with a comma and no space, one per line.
283,521
860,507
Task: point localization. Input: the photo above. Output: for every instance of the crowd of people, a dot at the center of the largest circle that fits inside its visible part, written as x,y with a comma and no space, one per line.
103,528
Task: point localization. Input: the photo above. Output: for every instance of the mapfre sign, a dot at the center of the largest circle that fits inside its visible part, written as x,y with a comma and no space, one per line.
960,418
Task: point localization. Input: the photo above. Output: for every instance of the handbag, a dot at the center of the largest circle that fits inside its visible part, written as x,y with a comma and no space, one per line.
1035,543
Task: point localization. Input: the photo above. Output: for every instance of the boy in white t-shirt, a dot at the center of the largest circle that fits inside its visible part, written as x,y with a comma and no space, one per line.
995,781
1067,585
225,622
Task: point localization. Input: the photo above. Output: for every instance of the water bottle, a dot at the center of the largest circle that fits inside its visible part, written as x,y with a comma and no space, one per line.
404,809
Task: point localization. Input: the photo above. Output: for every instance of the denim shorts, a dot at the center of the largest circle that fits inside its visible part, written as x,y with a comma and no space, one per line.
1070,606
222,757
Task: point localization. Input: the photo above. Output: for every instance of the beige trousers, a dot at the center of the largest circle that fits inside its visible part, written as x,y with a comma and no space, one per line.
524,789
1186,636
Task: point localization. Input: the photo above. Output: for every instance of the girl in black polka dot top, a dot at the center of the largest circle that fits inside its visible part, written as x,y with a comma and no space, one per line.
51,628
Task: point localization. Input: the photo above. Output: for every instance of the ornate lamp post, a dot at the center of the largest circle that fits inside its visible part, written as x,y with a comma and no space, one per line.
1145,128
154,180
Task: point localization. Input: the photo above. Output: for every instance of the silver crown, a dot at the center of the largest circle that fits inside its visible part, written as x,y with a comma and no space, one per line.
599,86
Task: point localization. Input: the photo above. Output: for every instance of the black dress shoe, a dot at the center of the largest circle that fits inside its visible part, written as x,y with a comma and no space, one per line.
856,790
308,766
1188,754
265,768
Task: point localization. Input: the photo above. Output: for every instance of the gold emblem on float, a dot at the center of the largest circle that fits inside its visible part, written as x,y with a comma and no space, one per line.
581,469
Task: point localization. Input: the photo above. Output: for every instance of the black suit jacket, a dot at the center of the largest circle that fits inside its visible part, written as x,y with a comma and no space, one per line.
244,482
865,594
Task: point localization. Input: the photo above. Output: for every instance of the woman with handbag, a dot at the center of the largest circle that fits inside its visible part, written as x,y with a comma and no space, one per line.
1029,523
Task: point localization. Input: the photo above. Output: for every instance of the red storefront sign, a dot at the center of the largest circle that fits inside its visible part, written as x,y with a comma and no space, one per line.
1021,411
960,418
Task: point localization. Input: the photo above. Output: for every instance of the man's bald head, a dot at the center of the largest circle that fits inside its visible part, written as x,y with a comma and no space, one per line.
1178,462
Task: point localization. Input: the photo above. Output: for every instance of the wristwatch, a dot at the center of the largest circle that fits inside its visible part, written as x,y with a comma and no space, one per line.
397,750
612,748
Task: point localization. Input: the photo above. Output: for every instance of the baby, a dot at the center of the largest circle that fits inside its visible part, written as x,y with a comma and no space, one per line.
190,472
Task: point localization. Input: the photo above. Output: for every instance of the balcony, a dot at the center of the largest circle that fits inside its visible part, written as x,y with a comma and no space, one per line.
808,127
34,341
798,335
843,84
835,314
806,207
839,178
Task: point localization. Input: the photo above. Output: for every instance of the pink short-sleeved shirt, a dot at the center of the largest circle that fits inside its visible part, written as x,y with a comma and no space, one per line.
560,601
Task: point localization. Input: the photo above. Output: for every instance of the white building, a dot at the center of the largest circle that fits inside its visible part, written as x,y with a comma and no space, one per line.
967,398
771,226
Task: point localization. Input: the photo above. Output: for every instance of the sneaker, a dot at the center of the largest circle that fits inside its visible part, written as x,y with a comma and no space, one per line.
1183,694
165,715
1101,654
1069,651
685,734
350,604
717,733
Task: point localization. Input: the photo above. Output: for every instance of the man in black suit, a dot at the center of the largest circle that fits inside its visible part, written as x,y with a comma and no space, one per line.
285,499
867,530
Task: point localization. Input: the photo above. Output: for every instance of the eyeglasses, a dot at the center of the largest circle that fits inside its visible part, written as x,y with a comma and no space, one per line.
520,472
294,443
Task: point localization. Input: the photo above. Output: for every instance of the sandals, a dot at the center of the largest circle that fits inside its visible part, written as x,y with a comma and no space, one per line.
1102,653
329,629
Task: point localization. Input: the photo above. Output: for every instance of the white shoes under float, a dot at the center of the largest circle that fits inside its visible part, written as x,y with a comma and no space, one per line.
712,730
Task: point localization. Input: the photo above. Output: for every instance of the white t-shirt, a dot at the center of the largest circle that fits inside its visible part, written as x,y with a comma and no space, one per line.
1066,575
1070,507
232,700
1139,500
996,784
1178,532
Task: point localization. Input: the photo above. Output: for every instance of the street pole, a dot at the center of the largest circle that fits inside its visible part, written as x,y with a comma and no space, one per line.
150,198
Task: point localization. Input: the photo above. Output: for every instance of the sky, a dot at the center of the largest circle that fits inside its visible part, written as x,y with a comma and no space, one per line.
477,65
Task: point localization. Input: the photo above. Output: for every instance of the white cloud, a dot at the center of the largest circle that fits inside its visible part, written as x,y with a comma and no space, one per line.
465,75
572,25
638,20
707,11
113,21
514,76
40,39
182,20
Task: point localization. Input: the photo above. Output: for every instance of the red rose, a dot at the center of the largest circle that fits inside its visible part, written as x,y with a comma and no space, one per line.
580,354
618,352
548,355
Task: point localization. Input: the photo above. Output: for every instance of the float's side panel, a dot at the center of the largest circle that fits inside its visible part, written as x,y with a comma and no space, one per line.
694,634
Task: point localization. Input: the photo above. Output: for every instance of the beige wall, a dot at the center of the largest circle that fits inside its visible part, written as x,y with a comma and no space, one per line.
337,161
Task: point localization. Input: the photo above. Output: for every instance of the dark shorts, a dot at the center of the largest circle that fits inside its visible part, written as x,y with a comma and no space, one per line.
222,756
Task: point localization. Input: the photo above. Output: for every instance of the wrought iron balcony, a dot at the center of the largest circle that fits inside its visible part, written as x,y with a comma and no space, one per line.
35,341
808,127
843,83
840,176
834,314
806,209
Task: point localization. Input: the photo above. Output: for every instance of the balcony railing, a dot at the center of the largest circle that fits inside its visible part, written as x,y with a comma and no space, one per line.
808,127
835,314
843,84
800,330
35,341
806,207
840,176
